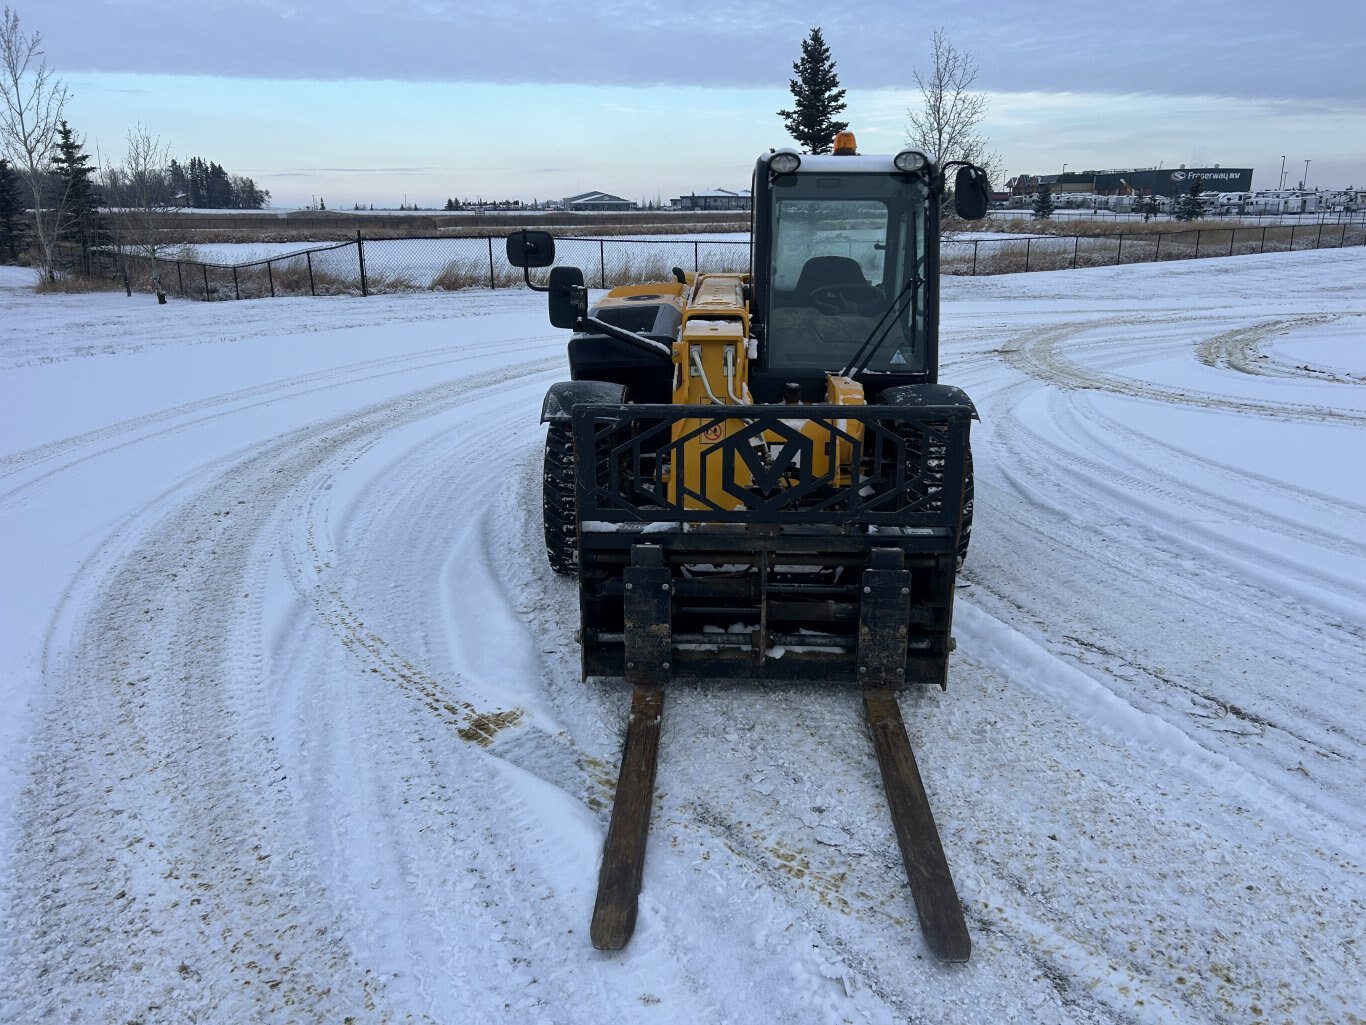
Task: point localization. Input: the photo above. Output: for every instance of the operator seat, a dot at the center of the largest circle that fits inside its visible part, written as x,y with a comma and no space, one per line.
820,271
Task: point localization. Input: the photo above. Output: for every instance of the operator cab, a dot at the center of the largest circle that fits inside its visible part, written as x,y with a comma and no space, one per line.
846,257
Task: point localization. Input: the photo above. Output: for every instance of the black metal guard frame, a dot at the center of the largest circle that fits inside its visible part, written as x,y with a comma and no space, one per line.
785,574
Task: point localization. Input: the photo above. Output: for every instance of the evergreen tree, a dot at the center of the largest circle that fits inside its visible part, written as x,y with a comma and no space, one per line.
180,184
817,98
205,184
1043,202
1190,206
218,188
13,227
322,203
81,224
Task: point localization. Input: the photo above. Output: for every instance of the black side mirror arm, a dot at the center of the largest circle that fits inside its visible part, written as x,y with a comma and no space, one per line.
971,193
527,249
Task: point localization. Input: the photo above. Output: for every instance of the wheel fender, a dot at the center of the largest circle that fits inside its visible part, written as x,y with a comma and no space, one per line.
565,395
928,396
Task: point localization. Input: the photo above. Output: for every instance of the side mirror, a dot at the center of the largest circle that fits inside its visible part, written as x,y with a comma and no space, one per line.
568,297
971,193
531,249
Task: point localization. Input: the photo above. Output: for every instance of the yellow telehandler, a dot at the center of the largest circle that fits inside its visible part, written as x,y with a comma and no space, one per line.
758,476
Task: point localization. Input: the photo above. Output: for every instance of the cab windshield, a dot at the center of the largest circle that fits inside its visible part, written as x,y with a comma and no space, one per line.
846,247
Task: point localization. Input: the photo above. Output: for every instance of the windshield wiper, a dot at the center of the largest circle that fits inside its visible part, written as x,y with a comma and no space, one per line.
858,362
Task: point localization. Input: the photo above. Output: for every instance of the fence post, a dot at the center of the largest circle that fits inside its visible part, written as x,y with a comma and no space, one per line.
180,279
270,276
308,258
205,268
360,255
1318,241
1198,233
1027,242
1119,251
1263,249
975,243
1076,247
1232,236
236,292
1342,240
602,264
696,262
1157,250
1292,237
490,242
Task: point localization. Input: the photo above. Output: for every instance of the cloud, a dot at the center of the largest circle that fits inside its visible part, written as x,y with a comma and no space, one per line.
1163,46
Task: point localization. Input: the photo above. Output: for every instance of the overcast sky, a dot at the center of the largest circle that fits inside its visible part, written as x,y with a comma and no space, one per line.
425,99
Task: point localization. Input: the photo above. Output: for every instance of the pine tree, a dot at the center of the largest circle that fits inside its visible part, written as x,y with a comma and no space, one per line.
218,190
1043,202
1190,206
13,235
81,224
180,184
817,98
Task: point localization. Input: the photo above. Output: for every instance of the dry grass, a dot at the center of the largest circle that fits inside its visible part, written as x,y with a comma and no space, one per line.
69,283
473,272
1104,227
275,230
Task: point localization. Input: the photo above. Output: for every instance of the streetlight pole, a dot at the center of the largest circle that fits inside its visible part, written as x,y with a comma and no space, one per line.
1305,179
1282,184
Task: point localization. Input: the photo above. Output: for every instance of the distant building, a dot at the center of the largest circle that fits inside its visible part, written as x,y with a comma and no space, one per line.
589,201
1137,181
712,199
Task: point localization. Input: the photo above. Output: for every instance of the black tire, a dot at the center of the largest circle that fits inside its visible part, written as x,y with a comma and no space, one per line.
557,503
965,531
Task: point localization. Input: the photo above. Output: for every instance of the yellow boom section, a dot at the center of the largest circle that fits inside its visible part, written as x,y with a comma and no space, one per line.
711,367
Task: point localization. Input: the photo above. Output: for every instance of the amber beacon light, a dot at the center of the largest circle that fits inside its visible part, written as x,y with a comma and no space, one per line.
845,144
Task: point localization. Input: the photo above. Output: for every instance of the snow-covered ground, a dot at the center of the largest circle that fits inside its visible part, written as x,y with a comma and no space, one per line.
294,730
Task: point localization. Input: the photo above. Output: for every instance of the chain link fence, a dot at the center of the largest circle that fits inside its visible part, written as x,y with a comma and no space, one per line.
1068,252
377,266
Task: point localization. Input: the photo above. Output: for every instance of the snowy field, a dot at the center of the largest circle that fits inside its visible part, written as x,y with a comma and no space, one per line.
294,730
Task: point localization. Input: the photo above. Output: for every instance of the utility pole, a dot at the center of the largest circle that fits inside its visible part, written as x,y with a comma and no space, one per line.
1305,179
1282,184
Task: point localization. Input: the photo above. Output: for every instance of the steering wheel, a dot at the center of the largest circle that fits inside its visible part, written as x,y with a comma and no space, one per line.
849,297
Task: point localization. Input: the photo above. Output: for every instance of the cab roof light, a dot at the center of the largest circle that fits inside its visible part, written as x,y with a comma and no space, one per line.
785,161
845,144
910,161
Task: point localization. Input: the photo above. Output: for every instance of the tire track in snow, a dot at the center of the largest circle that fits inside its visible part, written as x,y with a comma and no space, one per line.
1040,354
102,441
525,787
206,898
1179,587
1241,350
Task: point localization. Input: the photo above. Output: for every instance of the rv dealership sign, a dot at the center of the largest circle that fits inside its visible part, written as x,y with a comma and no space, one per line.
1210,176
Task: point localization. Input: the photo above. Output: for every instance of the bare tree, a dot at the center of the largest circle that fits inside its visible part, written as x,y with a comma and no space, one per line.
140,187
33,103
946,125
